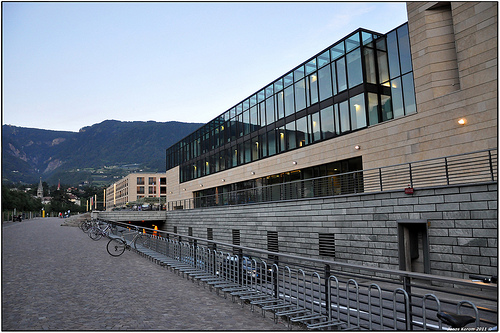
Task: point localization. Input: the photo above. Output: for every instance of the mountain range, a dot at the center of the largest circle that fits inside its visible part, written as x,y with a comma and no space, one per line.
95,155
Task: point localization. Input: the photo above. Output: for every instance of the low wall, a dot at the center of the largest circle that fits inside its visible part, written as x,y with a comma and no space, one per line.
460,224
132,216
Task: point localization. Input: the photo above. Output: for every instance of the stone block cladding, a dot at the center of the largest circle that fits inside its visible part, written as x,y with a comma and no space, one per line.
462,226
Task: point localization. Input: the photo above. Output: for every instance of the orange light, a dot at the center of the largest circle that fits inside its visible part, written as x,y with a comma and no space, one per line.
462,121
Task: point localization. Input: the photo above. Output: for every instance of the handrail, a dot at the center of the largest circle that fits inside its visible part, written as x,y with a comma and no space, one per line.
478,166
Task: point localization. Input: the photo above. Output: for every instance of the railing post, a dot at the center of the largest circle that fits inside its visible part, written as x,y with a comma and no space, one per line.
327,290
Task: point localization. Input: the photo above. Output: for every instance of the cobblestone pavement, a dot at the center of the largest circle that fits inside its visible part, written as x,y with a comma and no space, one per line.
57,278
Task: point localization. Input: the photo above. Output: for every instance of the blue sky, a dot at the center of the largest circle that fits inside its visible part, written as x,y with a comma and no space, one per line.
67,65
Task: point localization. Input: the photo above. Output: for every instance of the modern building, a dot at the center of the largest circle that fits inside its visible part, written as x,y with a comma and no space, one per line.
424,90
421,98
134,187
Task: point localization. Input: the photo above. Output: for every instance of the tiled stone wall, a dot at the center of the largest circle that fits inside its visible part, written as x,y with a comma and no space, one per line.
462,226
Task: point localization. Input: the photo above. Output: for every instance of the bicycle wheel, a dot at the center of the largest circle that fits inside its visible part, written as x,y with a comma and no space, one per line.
142,241
86,226
116,247
95,234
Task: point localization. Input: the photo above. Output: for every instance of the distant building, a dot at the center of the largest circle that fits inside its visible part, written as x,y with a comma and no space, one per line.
39,192
136,186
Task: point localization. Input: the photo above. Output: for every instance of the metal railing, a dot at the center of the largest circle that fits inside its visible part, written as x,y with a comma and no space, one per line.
320,293
476,167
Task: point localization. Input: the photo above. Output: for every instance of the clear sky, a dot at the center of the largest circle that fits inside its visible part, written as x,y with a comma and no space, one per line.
67,65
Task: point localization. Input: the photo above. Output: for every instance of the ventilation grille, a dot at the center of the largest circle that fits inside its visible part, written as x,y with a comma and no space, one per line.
327,245
210,234
272,244
236,241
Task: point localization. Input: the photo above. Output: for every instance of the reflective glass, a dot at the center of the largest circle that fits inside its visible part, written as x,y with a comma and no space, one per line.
327,123
261,96
263,145
289,105
290,136
300,95
381,44
315,127
302,132
386,105
262,113
246,122
254,118
409,94
337,51
337,118
311,66
281,138
269,91
323,59
271,142
393,54
404,49
383,67
248,151
280,108
278,85
373,108
255,149
358,111
246,104
325,83
239,108
370,68
334,79
288,80
352,42
345,124
366,37
269,111
341,74
397,98
298,73
354,68
313,90
253,100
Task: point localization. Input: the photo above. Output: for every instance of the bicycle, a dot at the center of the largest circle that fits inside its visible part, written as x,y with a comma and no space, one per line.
96,232
117,245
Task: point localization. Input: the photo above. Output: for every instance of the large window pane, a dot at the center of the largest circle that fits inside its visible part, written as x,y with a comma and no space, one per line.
262,114
263,145
254,118
246,122
409,94
288,80
404,49
300,95
271,142
386,105
323,59
311,66
352,42
337,51
354,68
341,74
315,127
336,111
312,96
397,98
270,111
298,73
358,111
290,136
280,107
334,79
325,83
302,132
281,138
345,124
383,66
373,108
327,123
392,50
235,156
289,104
248,151
370,68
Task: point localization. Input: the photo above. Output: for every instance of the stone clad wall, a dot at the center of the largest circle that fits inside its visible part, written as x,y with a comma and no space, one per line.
462,226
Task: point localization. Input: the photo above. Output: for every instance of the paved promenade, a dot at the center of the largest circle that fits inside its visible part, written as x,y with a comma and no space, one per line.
56,278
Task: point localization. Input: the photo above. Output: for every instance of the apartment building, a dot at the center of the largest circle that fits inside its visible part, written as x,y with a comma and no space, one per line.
134,187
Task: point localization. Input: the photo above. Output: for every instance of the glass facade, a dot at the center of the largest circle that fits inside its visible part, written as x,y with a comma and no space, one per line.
362,80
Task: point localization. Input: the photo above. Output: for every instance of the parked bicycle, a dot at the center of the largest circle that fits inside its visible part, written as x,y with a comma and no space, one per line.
96,232
117,245
86,225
